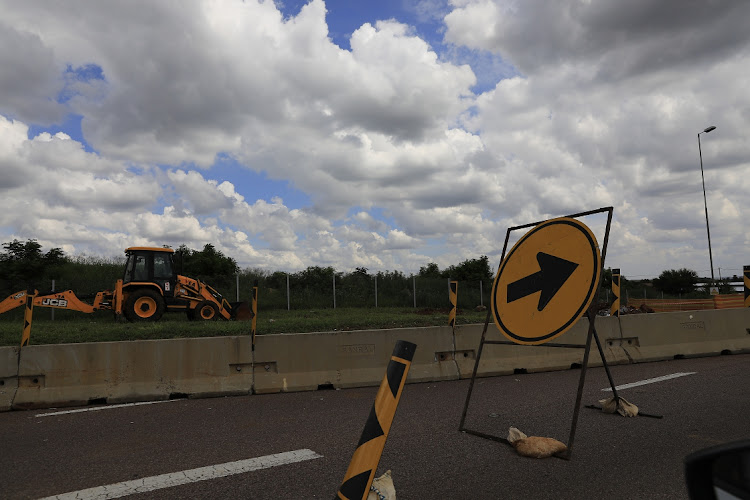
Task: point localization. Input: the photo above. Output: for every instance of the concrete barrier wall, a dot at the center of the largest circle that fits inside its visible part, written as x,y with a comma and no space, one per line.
506,359
8,376
76,374
683,334
348,359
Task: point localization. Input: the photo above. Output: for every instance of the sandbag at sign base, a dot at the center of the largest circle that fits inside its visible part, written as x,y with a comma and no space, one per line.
382,488
534,446
625,408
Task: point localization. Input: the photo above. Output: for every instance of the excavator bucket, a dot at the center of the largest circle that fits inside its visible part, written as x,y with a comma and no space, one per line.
241,311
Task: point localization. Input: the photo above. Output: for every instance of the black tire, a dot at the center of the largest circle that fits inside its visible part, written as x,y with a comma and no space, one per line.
206,311
144,305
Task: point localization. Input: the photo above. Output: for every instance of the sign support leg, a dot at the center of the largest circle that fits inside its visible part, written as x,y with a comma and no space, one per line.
474,373
615,396
606,366
579,395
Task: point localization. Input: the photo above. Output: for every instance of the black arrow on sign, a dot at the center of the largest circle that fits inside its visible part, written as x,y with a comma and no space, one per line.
552,275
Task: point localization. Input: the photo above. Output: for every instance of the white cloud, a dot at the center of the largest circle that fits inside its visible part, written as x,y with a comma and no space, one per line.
402,162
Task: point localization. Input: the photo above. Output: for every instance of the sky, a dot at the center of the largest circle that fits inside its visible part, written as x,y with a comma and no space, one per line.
376,134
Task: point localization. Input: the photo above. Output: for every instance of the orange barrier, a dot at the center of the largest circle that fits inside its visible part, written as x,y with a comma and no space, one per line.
675,305
729,301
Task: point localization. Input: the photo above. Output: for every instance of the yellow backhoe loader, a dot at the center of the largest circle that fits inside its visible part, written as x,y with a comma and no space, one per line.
149,287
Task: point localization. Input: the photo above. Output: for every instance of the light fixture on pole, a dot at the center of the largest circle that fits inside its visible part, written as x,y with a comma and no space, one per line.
705,204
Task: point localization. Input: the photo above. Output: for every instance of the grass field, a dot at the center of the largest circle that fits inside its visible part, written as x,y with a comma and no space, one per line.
101,327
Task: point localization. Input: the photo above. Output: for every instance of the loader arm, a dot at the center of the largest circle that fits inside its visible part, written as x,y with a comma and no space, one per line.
58,300
14,300
195,291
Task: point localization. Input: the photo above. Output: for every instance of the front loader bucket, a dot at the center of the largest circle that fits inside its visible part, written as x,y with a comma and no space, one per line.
241,311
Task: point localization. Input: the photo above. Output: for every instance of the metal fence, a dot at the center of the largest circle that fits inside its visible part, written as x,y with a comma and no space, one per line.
409,292
293,292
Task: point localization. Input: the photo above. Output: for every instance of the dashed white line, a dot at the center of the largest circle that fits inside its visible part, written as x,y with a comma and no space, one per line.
107,407
152,483
650,381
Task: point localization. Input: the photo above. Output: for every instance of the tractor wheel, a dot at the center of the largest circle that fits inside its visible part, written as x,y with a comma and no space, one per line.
144,305
206,311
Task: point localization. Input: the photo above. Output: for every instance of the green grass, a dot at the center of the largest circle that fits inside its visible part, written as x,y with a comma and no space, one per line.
71,327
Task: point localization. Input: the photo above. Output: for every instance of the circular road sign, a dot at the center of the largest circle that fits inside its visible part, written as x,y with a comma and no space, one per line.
546,282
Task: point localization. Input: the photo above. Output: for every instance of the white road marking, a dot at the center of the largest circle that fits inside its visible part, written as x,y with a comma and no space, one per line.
650,381
107,407
145,484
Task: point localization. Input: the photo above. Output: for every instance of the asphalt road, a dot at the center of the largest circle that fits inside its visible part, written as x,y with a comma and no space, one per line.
45,454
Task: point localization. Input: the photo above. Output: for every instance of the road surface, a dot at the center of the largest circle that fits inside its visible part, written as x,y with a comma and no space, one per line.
298,445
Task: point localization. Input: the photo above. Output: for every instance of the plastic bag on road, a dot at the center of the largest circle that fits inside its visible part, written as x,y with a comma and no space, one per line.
534,446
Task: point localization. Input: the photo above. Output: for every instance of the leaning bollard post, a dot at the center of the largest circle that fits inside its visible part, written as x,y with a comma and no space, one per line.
615,308
364,463
453,296
27,316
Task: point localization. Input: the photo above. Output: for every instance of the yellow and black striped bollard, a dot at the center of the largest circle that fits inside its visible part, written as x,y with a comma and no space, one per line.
615,309
746,272
27,316
453,293
364,463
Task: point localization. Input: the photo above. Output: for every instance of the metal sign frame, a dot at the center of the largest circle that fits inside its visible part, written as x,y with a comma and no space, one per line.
590,314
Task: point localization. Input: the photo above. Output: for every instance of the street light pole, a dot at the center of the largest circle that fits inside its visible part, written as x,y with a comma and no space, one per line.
705,204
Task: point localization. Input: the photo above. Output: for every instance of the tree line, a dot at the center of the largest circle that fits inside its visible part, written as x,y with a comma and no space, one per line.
25,264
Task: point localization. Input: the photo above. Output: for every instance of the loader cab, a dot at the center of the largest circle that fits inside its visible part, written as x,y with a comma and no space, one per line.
151,265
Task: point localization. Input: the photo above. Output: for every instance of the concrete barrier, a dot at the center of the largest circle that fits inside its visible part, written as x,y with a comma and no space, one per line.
8,376
662,336
310,361
508,359
76,374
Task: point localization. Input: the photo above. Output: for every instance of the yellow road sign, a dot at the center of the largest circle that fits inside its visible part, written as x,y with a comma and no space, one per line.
546,282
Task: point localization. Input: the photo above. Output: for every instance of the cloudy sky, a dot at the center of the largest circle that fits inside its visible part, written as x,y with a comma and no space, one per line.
378,134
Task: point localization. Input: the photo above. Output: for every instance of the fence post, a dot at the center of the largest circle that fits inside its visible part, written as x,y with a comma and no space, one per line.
334,289
481,294
414,288
376,290
238,287
288,307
